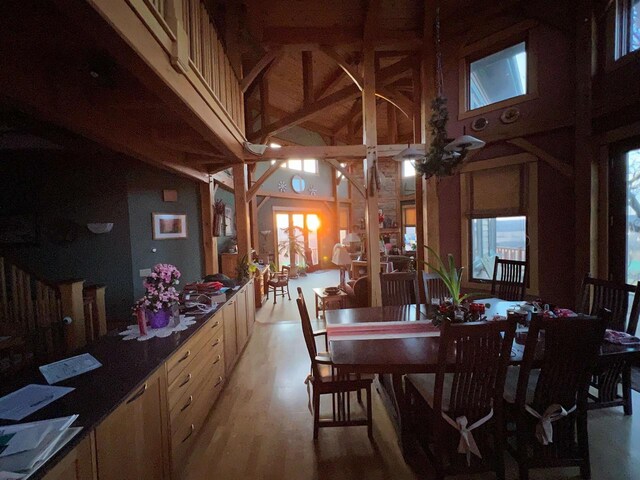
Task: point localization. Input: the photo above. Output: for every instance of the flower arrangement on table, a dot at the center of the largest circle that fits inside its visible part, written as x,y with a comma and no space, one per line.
160,296
457,308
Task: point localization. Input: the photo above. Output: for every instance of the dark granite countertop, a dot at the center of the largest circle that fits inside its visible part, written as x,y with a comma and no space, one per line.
125,366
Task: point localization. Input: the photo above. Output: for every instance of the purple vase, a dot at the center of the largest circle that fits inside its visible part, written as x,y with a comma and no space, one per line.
158,319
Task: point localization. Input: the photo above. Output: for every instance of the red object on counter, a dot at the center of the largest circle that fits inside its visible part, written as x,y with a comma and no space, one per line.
142,321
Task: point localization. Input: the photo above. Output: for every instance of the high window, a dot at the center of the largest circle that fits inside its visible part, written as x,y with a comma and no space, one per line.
409,234
504,237
408,170
308,165
497,77
627,27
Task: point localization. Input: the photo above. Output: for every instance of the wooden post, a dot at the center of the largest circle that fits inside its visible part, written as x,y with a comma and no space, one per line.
253,214
209,244
97,293
420,185
72,302
370,139
586,174
180,47
242,210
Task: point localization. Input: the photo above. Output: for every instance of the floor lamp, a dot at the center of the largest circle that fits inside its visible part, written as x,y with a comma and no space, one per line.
341,258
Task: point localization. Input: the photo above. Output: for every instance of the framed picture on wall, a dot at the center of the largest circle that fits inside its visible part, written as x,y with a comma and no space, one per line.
167,226
228,221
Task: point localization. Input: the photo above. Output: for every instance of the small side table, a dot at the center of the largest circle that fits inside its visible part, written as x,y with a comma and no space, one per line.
322,299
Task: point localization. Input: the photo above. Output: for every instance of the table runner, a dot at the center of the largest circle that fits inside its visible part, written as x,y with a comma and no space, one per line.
382,330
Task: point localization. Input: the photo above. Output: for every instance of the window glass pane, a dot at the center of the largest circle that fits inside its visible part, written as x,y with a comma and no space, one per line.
408,170
282,223
342,235
505,237
410,239
633,217
409,215
311,166
498,77
634,29
295,164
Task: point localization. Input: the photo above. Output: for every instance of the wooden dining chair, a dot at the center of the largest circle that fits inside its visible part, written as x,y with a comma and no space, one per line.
434,287
279,281
549,404
399,288
325,379
597,294
509,279
463,399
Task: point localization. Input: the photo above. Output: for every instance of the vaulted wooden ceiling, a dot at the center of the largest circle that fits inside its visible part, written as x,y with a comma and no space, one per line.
304,61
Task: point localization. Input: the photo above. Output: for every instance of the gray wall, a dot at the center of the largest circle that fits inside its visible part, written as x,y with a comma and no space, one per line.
144,187
65,192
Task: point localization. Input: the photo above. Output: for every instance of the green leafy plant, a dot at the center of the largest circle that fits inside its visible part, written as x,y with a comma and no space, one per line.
450,275
293,246
243,268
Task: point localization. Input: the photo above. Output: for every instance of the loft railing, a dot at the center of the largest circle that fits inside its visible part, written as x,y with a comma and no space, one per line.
509,253
185,30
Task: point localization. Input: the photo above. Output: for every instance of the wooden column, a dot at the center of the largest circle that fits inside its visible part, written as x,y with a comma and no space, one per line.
209,243
370,139
242,210
586,174
420,183
72,302
180,46
253,214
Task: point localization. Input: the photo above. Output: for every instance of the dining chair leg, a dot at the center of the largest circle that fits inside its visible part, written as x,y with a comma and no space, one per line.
288,295
499,446
359,396
521,450
583,444
369,413
626,389
275,295
316,413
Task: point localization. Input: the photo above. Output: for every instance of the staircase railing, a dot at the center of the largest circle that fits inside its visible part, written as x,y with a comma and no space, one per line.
42,320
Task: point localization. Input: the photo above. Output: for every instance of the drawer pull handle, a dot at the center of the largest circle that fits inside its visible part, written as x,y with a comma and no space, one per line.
218,382
139,394
186,355
193,427
217,359
186,380
215,324
186,405
216,342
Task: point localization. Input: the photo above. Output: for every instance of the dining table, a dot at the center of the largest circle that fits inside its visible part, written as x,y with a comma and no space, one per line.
395,357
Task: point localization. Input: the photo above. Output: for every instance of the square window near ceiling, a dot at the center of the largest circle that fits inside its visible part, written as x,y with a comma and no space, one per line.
504,237
295,164
310,165
497,77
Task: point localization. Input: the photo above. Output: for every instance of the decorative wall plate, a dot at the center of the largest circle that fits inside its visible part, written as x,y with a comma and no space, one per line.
282,186
313,190
510,115
297,184
479,124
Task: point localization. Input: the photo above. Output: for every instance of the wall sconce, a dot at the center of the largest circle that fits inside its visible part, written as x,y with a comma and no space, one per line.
99,228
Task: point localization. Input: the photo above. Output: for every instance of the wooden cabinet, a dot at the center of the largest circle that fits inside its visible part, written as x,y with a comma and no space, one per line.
132,442
241,318
251,306
230,336
260,285
228,264
79,464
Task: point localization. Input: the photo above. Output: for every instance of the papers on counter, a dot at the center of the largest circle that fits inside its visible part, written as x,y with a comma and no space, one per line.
54,434
22,403
69,367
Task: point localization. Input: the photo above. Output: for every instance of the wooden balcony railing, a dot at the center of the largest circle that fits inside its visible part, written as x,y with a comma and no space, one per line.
508,253
185,30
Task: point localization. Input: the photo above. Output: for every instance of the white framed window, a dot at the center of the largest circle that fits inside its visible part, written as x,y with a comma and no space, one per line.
627,29
497,77
408,170
308,165
504,237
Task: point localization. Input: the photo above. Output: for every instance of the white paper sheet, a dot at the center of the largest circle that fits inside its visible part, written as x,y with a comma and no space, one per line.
69,367
22,403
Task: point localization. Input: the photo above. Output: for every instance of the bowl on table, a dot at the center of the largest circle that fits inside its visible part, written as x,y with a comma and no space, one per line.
332,290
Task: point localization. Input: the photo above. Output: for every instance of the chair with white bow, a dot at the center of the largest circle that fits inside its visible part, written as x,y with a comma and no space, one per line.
458,411
546,396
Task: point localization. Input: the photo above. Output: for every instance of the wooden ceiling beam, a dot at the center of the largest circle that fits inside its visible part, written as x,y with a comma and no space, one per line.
339,35
307,77
258,183
266,59
343,64
336,165
321,152
355,108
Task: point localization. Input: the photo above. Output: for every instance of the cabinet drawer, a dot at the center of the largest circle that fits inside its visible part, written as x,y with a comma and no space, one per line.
208,360
183,357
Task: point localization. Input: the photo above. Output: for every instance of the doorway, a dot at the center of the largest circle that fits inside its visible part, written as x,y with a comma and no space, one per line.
297,238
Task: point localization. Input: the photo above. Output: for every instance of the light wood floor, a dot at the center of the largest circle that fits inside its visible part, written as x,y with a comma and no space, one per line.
260,427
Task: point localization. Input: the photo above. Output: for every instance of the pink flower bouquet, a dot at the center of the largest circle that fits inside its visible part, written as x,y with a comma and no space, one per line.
161,292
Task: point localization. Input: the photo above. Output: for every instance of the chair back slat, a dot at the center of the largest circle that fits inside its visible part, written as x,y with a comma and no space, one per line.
399,288
598,294
307,331
509,279
434,287
476,355
568,354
